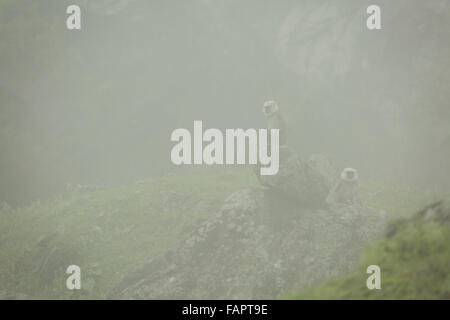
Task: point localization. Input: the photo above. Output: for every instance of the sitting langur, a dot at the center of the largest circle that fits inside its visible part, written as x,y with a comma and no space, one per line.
347,189
274,120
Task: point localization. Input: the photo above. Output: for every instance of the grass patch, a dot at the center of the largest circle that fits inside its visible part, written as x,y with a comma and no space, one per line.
414,262
106,232
110,232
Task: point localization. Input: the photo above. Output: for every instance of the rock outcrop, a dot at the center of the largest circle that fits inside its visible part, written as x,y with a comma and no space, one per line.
258,245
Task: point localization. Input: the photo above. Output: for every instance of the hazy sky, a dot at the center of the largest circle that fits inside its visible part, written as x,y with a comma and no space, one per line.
97,105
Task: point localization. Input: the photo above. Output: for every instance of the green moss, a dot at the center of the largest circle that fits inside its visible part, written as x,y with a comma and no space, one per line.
414,263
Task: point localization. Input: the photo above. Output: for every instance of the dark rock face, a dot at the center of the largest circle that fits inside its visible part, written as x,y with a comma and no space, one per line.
258,245
306,183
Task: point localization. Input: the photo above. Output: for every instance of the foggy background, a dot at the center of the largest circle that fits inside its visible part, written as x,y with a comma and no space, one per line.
98,105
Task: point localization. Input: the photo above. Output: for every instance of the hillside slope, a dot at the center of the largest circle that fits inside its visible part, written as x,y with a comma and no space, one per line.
109,232
414,259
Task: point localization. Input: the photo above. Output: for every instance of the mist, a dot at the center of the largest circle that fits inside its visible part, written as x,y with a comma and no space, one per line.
358,175
97,105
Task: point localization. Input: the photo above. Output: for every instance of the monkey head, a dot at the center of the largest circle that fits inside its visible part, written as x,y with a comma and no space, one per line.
349,174
270,108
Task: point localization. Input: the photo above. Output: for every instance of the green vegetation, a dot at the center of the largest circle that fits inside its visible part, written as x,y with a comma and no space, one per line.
414,265
414,260
109,232
106,232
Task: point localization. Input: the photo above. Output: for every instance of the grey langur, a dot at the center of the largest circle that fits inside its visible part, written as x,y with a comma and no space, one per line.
347,189
275,120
